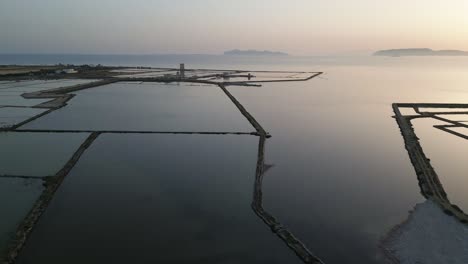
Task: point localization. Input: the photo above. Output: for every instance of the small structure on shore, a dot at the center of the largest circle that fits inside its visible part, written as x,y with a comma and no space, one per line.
182,70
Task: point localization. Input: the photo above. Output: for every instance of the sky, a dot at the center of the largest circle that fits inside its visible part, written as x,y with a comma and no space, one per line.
299,27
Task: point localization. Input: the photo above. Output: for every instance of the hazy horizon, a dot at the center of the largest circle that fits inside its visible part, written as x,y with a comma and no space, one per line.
297,27
127,135
349,53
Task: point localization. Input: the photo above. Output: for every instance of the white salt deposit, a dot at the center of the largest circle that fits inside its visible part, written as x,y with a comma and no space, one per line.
429,236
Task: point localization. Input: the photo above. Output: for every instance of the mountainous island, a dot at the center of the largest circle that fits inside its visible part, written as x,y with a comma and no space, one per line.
255,53
419,52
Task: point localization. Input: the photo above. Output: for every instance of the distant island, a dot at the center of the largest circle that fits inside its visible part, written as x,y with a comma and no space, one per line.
420,52
255,53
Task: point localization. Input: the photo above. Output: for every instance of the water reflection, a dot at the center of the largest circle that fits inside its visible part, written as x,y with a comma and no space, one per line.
146,207
428,235
276,227
429,181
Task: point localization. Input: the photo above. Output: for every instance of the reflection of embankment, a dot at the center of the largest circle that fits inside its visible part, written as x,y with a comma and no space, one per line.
59,98
428,236
429,181
52,184
276,227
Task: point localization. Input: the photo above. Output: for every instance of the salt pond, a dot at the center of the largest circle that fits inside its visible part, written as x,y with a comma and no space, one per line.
157,107
17,197
158,199
36,154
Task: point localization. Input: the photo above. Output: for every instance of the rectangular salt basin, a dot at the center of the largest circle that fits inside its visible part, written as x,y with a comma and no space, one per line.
36,154
263,76
149,106
436,110
459,118
17,84
140,70
10,93
17,100
461,130
42,84
407,111
341,177
17,196
148,74
10,116
448,154
260,76
158,199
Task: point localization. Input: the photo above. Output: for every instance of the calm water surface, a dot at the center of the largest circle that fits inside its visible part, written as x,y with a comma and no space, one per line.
22,154
149,107
341,178
16,199
158,199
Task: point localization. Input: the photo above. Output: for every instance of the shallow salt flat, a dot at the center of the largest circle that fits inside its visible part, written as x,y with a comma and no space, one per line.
407,111
16,84
429,237
36,154
436,110
10,116
10,92
17,196
456,117
340,177
17,100
158,199
131,70
447,153
147,74
257,76
461,130
149,106
44,84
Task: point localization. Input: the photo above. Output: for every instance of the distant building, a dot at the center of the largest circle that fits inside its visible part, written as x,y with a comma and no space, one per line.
182,70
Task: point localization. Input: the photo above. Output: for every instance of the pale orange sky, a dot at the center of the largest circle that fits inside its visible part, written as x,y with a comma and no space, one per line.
302,27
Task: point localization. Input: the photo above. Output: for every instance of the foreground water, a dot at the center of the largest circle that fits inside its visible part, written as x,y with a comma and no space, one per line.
341,177
169,199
